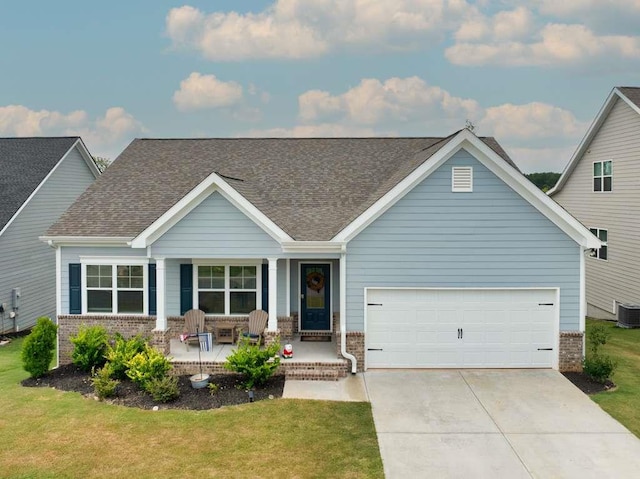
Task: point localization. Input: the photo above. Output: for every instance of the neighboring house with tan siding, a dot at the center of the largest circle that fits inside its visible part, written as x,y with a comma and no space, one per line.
39,179
601,188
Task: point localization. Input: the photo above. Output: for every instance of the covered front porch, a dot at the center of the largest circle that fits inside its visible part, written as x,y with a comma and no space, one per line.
315,360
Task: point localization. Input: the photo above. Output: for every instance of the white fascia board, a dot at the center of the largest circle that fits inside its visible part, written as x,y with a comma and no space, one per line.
210,184
401,189
531,193
313,247
588,137
83,151
86,240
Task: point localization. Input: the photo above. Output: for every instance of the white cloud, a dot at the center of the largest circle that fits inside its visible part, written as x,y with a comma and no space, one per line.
309,28
580,8
104,136
504,26
530,121
323,130
397,99
206,91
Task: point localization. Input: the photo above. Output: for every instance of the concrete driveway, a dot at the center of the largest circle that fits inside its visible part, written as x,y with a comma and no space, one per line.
495,424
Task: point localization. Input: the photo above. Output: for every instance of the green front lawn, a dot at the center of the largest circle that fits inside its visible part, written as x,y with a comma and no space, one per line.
49,433
623,403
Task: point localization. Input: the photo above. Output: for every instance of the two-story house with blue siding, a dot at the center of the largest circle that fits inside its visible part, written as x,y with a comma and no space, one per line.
406,252
39,179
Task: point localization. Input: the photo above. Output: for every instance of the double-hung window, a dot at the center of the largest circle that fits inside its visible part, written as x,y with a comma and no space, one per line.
600,253
114,287
227,289
602,175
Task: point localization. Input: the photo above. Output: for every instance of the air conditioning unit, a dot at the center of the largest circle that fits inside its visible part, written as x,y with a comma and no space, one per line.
629,315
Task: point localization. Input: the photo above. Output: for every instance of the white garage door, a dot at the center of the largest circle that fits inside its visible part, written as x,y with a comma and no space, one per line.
461,328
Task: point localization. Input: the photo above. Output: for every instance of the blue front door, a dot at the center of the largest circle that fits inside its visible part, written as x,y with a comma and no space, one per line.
315,299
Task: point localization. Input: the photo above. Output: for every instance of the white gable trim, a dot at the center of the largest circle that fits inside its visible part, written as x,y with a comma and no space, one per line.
591,132
87,158
196,196
489,158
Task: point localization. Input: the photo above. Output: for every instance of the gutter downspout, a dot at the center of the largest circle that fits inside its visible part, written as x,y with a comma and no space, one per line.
343,313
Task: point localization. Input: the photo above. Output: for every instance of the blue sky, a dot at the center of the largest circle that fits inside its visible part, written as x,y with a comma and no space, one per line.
533,74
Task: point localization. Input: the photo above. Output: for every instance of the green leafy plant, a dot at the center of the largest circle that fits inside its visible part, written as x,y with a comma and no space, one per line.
39,346
122,351
163,389
148,365
597,366
103,383
256,365
213,388
90,346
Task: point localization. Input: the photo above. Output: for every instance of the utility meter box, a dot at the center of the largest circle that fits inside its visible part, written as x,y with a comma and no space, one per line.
15,298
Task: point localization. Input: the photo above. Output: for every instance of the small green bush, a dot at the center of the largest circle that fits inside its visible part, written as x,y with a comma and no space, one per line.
39,346
597,366
255,364
213,388
163,389
148,365
123,351
90,346
103,383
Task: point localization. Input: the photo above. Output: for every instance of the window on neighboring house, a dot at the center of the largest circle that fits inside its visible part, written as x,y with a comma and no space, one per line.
602,175
127,297
600,253
227,289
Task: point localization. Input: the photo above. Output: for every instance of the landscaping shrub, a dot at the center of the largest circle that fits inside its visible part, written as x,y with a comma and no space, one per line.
163,389
90,346
123,351
597,366
39,346
148,365
103,383
255,364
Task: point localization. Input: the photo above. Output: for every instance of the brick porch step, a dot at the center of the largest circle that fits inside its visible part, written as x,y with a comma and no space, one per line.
313,374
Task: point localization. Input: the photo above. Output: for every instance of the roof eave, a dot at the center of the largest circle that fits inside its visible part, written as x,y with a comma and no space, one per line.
53,240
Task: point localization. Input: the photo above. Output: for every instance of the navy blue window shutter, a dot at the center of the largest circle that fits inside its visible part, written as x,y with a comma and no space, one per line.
152,289
265,287
186,287
75,291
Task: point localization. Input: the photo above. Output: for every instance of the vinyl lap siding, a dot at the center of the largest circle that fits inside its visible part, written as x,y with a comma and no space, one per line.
216,229
617,211
488,238
28,263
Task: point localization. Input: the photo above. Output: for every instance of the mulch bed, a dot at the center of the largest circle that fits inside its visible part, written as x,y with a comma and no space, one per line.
586,384
70,378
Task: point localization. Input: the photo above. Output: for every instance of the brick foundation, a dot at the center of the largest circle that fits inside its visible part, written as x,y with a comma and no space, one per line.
355,343
570,354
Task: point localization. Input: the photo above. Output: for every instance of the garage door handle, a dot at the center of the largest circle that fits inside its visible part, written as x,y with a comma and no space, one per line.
374,304
374,349
545,349
460,333
545,304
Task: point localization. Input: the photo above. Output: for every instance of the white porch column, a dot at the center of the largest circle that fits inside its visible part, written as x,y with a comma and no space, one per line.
288,285
161,314
273,294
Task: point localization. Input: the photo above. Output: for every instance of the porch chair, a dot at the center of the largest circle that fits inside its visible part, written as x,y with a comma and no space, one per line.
193,322
257,324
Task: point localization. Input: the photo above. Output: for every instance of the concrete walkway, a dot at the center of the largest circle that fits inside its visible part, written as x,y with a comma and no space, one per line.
495,424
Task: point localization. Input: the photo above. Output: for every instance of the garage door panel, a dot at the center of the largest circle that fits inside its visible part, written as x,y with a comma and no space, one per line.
461,328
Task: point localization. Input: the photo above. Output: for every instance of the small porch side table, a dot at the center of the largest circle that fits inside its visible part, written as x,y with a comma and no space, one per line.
225,333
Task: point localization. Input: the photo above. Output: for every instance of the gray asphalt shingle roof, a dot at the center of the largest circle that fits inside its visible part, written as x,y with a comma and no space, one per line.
24,164
310,187
632,93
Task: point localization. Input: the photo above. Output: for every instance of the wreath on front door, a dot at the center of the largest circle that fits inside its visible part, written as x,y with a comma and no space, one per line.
315,281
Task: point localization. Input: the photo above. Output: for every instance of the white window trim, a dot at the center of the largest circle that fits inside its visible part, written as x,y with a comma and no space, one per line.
227,290
114,262
602,176
458,189
605,243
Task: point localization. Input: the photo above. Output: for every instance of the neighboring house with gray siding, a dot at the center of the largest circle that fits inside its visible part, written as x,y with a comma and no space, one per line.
601,187
405,252
39,179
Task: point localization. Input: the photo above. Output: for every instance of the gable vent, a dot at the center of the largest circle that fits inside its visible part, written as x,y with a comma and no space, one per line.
461,178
